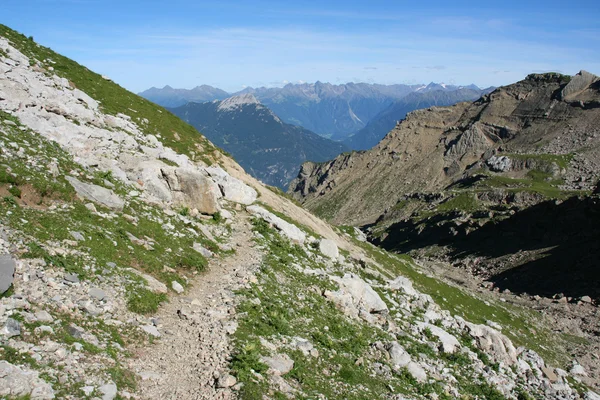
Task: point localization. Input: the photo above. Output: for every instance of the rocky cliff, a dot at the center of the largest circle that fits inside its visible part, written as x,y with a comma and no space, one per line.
139,262
548,114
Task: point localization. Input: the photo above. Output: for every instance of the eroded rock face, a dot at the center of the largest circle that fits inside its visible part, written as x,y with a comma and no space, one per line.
190,188
494,343
233,189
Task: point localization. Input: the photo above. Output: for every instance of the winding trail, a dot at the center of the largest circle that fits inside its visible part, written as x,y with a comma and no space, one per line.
195,347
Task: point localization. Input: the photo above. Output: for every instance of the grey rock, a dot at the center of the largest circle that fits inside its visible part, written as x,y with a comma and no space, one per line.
73,278
226,381
77,236
151,330
329,248
75,331
499,164
233,189
43,316
177,287
109,391
11,328
203,250
97,194
398,355
17,381
7,272
154,284
97,294
280,364
190,188
285,228
417,371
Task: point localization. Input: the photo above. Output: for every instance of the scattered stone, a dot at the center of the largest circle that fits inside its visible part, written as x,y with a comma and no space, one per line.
203,250
226,381
233,189
151,330
43,316
154,284
12,328
398,355
77,236
578,370
97,294
177,287
292,232
73,278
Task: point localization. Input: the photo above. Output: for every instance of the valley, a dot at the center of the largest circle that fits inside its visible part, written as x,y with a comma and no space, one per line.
151,253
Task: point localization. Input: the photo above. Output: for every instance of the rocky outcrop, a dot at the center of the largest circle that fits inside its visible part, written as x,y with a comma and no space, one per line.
18,382
97,194
190,188
431,149
233,189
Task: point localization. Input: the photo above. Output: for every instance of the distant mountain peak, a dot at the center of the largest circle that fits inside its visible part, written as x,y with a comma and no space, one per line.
237,101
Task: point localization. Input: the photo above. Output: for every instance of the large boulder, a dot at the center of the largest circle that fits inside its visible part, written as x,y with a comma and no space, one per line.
329,249
233,189
494,343
97,194
291,231
362,294
398,355
7,272
190,188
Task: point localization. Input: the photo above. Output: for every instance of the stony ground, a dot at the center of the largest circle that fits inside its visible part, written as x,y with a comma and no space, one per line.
191,358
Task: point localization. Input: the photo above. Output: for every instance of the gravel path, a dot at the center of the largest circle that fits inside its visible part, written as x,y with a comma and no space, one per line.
194,348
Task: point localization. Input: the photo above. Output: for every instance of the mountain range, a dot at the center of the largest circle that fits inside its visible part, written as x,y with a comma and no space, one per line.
332,111
266,147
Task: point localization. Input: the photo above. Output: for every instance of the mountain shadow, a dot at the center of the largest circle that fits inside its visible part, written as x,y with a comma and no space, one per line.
555,248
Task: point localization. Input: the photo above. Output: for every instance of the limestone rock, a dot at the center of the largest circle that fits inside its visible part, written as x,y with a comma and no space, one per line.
398,355
285,228
362,294
192,189
403,284
329,249
153,284
498,346
177,287
109,391
7,272
226,381
280,364
97,194
16,381
499,164
233,189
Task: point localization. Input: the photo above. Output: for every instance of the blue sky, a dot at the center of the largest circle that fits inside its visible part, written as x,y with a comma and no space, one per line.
233,44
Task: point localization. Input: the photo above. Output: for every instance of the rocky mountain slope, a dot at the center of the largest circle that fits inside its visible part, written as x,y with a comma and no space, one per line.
268,149
139,262
427,97
170,97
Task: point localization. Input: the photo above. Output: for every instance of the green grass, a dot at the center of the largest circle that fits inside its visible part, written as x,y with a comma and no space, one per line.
462,202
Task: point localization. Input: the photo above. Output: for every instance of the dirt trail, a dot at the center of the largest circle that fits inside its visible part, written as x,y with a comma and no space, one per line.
194,347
